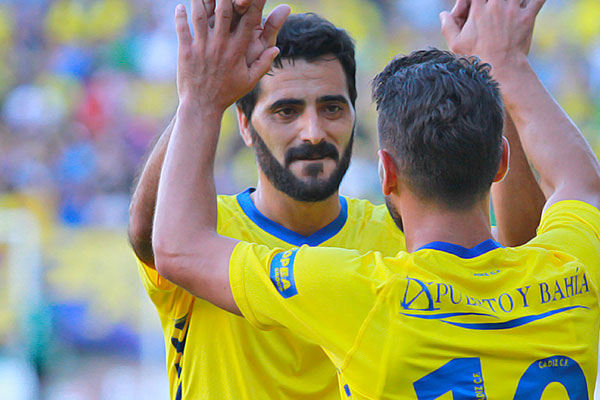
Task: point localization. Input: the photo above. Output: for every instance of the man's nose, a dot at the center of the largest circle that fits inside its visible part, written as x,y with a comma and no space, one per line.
312,131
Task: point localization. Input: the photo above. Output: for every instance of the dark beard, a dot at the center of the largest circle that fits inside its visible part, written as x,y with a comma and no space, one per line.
394,213
314,189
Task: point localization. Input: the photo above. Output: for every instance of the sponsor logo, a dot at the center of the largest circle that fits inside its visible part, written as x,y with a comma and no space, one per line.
282,273
424,300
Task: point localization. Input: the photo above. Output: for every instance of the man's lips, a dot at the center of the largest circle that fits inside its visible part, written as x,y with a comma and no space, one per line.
309,159
313,158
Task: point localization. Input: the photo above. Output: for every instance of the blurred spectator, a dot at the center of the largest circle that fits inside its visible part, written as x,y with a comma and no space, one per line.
85,85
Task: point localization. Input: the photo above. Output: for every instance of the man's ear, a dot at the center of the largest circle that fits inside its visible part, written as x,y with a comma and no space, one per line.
244,125
388,172
504,166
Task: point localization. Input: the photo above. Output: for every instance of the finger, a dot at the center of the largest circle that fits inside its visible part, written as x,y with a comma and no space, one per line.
199,20
535,6
461,9
224,15
450,29
184,36
241,6
209,7
247,29
273,24
263,65
251,20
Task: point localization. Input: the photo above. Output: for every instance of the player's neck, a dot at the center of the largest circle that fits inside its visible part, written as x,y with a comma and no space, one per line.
304,218
426,223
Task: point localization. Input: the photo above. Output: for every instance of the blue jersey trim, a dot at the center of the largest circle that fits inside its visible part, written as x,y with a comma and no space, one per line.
289,236
347,390
463,252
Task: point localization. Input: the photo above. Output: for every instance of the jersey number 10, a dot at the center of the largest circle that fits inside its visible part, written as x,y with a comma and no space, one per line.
464,378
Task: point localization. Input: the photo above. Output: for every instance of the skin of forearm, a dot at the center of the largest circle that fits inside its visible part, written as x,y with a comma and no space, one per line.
143,202
518,199
186,207
550,139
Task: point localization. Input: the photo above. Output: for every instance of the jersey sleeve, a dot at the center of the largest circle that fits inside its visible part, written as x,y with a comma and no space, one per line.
323,294
572,227
169,299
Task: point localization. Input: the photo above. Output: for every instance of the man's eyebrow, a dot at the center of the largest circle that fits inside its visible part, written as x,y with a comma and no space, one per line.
332,98
286,102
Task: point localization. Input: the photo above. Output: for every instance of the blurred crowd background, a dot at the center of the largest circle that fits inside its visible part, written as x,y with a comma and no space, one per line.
85,86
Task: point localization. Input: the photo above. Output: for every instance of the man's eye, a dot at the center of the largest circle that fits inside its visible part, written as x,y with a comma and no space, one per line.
285,112
333,108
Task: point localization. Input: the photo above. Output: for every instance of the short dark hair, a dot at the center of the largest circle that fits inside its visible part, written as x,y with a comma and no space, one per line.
309,37
441,117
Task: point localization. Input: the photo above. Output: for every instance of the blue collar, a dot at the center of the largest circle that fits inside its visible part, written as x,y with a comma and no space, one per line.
463,252
289,236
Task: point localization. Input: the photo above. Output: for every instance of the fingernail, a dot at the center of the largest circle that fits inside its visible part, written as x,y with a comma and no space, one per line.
180,9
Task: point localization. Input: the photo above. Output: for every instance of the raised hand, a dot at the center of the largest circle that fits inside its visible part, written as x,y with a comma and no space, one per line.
212,66
263,36
496,30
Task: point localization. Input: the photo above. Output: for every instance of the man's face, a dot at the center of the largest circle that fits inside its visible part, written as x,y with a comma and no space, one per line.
302,128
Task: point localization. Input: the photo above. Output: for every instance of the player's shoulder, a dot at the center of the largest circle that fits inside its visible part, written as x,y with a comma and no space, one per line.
229,213
364,208
227,201
366,213
360,266
228,205
572,209
569,215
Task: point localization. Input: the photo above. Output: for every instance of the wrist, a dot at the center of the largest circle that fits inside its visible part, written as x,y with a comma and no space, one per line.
505,67
192,108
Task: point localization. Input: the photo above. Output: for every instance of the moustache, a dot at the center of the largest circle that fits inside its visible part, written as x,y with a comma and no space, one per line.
311,152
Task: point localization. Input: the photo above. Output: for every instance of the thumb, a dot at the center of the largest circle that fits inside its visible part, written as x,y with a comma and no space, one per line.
263,65
450,29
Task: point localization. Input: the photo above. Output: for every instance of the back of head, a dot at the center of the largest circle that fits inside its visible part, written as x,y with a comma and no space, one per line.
441,117
310,37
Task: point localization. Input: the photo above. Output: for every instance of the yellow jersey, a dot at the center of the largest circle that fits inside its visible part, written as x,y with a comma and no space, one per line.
212,354
443,322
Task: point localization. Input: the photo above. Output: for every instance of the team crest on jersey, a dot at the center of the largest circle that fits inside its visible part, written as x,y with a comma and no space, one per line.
282,273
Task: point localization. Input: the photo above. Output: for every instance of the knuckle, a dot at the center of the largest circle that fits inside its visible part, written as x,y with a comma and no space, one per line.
526,18
200,17
185,52
217,49
269,25
226,13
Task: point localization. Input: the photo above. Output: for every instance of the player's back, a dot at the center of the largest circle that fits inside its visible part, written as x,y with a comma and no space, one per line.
488,322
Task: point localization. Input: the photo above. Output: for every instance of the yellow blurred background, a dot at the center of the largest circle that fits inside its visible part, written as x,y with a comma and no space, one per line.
85,85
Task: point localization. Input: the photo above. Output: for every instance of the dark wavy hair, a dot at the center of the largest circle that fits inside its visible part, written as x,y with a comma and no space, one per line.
310,37
441,117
